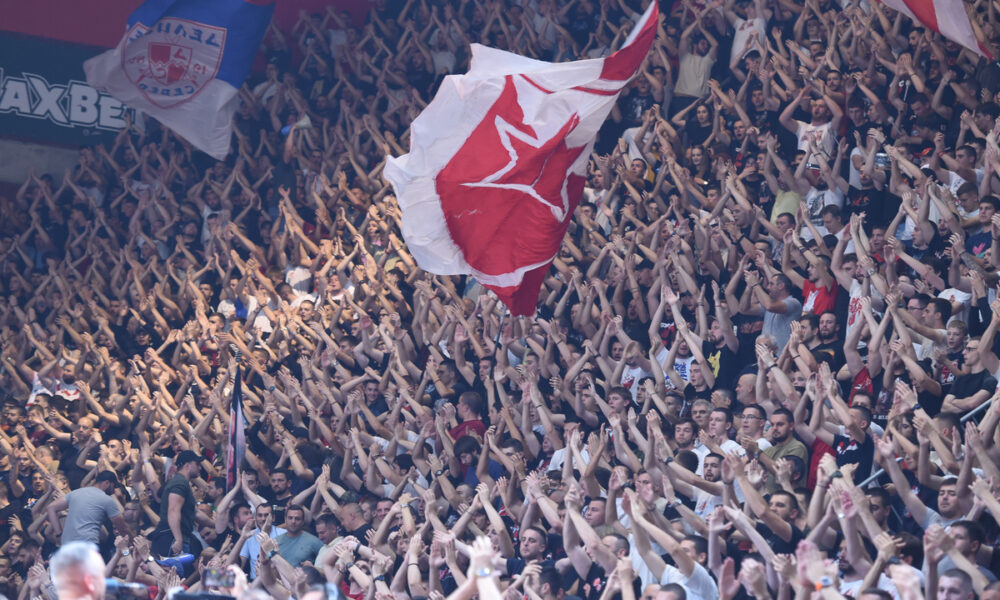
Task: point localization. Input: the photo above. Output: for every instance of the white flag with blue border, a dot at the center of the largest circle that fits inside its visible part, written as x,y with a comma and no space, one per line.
182,62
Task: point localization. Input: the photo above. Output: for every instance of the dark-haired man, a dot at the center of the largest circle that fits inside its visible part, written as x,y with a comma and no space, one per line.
857,446
975,386
89,507
979,244
776,304
175,533
784,444
297,545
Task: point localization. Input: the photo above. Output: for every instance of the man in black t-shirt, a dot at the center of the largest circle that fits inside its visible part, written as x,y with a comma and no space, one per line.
239,515
830,348
777,513
175,533
720,348
857,446
973,388
279,494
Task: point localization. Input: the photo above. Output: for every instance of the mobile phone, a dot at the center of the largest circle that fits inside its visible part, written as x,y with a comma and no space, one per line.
881,159
219,578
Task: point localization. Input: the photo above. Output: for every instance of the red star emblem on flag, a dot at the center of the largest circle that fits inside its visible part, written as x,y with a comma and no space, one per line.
509,192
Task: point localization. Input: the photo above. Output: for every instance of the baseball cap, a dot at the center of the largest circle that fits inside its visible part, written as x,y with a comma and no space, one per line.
185,457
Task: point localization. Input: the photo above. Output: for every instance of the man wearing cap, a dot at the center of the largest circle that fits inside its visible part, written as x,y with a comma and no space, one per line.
89,507
175,533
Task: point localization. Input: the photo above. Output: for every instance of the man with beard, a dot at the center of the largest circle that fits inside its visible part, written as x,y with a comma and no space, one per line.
297,545
784,444
84,440
821,130
830,348
721,345
705,490
280,493
89,507
251,548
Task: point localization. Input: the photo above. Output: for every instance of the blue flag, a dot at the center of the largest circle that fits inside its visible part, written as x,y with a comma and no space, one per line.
183,62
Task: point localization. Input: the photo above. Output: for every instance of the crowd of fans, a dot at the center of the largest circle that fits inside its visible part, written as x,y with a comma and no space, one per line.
763,365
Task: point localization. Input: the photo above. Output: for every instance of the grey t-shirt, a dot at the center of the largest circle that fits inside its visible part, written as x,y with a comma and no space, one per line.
298,549
779,325
89,508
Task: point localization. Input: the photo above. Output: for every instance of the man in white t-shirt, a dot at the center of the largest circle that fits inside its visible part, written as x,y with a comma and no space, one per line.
826,115
650,567
698,54
755,23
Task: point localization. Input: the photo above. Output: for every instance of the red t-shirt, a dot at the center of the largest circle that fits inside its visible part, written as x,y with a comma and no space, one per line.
819,448
466,427
817,300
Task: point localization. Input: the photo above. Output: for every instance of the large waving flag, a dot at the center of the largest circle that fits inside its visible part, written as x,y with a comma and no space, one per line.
497,163
183,61
947,17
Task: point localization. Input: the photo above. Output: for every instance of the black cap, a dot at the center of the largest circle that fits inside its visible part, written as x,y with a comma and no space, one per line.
299,432
186,457
107,476
645,264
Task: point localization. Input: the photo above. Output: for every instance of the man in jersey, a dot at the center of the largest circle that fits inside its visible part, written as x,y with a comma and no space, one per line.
956,170
979,243
591,555
753,26
857,447
819,289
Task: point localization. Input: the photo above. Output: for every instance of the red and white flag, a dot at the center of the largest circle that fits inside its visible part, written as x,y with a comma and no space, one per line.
947,17
498,159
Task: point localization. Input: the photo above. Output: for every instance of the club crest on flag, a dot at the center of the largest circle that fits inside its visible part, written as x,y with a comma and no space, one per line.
173,61
169,62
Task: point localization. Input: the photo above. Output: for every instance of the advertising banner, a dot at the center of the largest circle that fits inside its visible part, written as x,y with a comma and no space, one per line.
44,96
